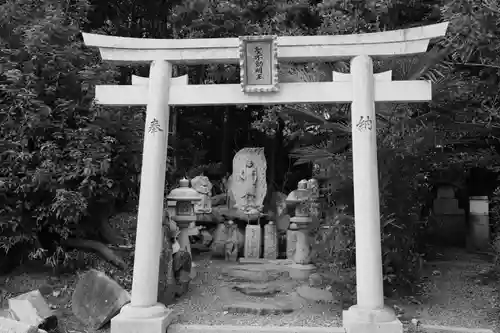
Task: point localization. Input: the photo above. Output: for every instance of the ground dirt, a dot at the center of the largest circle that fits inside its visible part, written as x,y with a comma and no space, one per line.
211,290
454,293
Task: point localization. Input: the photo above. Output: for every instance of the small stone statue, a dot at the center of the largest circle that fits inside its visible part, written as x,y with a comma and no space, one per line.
175,264
203,186
231,246
182,265
313,187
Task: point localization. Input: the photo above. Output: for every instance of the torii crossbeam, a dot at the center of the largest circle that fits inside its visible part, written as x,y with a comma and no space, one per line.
361,88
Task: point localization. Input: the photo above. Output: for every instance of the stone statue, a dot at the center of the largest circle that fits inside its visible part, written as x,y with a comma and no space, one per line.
203,186
248,177
248,183
313,187
231,246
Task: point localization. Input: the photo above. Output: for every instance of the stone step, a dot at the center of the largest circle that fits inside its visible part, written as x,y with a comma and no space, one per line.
180,328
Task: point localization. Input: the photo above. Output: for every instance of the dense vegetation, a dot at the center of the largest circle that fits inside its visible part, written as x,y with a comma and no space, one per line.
66,164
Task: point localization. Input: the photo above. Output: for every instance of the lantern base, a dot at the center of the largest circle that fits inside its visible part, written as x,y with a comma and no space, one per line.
300,272
301,220
184,219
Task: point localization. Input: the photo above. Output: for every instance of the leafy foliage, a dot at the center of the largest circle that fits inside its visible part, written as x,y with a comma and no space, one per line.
62,159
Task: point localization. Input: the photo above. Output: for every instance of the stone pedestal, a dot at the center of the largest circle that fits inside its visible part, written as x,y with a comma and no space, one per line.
253,236
290,241
152,319
302,256
302,248
479,224
270,241
184,235
382,320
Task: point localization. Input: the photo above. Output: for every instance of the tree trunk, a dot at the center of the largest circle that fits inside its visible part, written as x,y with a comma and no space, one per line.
279,149
225,147
110,235
102,250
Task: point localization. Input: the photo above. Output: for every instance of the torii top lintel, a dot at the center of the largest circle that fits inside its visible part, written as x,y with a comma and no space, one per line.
292,49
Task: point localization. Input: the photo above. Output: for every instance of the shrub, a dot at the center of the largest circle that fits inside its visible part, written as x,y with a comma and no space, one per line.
402,195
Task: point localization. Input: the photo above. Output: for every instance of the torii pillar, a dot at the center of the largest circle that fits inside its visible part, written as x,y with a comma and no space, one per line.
369,315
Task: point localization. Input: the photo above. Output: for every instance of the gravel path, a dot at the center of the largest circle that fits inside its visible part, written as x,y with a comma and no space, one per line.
454,294
210,290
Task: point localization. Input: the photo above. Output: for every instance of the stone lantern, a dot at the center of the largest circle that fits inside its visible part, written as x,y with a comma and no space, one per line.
300,199
184,198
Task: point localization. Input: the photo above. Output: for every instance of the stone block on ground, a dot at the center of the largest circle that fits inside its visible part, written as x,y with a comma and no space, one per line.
32,309
300,272
315,294
256,273
260,308
257,289
256,261
8,325
97,298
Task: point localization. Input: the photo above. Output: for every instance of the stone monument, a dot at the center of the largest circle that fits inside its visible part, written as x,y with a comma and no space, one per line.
270,241
249,187
253,241
248,181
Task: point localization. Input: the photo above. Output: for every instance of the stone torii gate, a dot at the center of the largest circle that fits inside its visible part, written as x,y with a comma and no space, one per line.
260,87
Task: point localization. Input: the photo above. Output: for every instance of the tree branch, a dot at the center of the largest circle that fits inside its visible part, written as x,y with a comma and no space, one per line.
472,64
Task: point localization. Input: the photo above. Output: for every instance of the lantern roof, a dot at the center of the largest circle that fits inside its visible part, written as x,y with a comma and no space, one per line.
183,192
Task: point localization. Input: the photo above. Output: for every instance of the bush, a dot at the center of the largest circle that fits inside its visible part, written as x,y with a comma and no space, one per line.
64,162
402,195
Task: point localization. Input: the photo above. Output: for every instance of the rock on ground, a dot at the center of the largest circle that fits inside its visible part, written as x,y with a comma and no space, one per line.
257,289
315,280
32,309
98,298
7,313
13,326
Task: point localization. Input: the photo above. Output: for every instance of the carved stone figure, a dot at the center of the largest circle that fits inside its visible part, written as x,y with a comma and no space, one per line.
248,183
248,178
203,186
313,187
231,247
